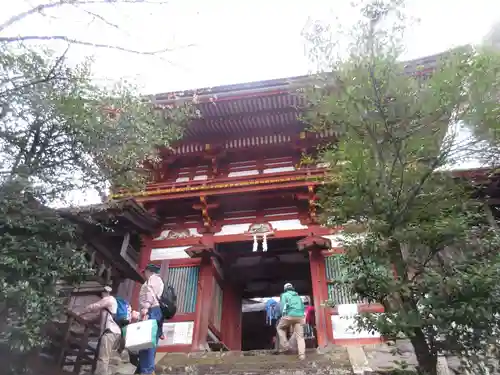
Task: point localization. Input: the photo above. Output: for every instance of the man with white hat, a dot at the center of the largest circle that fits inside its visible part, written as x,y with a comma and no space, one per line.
293,316
111,337
149,301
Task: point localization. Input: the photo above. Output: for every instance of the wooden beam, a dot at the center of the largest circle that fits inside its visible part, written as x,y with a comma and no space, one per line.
231,257
306,196
267,272
184,209
198,251
261,113
273,290
209,206
229,190
292,233
310,242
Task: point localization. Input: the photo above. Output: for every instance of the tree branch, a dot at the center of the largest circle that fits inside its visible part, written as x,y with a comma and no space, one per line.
42,7
51,74
102,19
39,8
64,38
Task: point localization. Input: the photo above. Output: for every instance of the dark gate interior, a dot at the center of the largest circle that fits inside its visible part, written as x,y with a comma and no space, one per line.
263,274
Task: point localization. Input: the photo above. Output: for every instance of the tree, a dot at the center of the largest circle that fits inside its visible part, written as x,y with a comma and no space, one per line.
56,124
427,253
484,92
60,132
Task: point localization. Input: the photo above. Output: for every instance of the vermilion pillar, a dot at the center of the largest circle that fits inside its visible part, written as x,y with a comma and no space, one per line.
320,295
203,304
231,318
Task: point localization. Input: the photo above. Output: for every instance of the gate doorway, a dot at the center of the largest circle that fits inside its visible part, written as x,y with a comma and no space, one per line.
260,276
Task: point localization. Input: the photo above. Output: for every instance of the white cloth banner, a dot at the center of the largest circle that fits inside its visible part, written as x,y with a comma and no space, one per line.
141,335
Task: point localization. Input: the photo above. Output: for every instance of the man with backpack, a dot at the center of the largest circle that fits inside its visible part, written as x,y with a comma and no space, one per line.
293,316
155,294
149,302
116,314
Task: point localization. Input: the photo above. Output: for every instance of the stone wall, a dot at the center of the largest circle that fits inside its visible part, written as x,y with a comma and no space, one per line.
384,357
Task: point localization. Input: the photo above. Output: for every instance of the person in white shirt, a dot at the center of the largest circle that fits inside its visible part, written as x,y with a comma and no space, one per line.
149,303
111,337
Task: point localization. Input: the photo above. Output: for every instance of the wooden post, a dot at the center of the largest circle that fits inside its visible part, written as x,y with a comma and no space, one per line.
80,357
227,329
231,318
65,341
320,295
144,258
238,322
203,305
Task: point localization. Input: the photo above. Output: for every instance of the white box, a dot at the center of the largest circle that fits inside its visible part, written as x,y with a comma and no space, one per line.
141,335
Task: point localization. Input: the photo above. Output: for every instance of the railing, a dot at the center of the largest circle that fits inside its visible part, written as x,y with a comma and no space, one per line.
132,253
75,343
299,173
128,252
193,186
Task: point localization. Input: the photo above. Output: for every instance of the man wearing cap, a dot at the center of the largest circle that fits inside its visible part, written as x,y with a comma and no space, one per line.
111,337
149,303
292,316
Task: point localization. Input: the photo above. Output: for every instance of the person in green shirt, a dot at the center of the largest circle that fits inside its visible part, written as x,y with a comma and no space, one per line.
293,316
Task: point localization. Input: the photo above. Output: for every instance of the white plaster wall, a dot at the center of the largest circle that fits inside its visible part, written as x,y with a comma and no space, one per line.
291,224
231,229
279,169
169,253
252,172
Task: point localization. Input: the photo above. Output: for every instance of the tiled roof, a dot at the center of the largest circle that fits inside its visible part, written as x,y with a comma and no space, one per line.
259,108
273,113
126,213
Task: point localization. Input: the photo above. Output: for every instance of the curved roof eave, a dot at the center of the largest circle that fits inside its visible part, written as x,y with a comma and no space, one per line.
276,86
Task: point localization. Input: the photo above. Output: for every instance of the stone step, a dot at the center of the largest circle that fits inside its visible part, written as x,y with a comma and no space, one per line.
335,360
270,370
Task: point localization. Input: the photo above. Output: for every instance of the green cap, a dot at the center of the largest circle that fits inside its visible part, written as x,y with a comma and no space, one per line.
153,268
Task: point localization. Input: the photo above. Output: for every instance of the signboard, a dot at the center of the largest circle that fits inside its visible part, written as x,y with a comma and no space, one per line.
177,333
346,328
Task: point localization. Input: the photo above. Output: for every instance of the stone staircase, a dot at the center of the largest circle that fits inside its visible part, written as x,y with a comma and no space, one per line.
334,360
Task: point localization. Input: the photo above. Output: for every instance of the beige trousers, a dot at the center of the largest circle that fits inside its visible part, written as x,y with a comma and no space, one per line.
297,324
110,342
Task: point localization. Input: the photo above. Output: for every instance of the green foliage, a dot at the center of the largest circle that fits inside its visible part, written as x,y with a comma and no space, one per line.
37,250
59,132
428,254
483,89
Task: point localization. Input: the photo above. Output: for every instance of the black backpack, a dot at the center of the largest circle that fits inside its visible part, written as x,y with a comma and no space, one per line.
168,302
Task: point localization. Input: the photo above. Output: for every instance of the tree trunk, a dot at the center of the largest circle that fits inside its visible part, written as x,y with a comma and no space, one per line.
427,361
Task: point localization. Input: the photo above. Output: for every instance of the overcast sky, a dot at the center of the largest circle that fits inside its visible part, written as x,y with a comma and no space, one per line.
233,41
